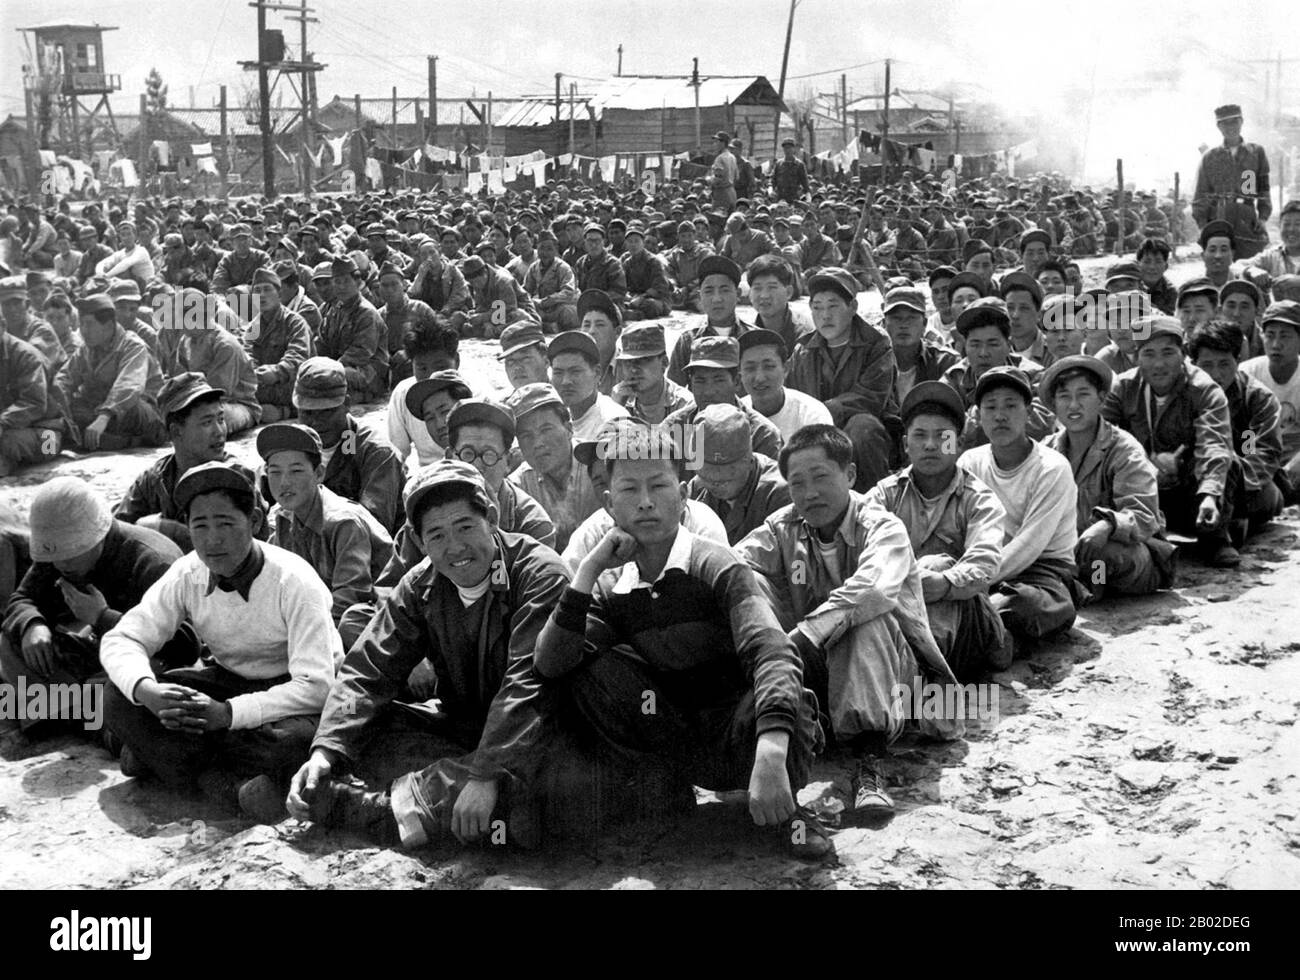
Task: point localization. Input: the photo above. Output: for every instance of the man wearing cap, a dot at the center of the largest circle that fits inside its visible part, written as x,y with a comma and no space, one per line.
954,523
178,261
817,250
1255,415
472,613
1035,249
67,258
575,373
220,357
550,473
598,269
238,723
1116,313
719,294
400,313
87,570
723,174
93,252
550,281
916,357
359,464
648,288
843,579
741,243
339,538
131,260
38,248
126,298
1024,301
354,334
645,391
1279,371
206,251
848,365
1121,548
1232,185
1282,259
523,354
985,329
713,377
495,297
21,323
1198,303
379,251
1240,303
429,402
790,176
30,429
600,318
237,266
1153,262
438,284
682,262
276,342
1180,417
1032,591
195,417
106,390
742,487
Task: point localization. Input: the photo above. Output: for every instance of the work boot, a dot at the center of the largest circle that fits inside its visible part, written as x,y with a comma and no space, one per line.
1224,556
220,787
868,788
262,800
345,807
805,838
132,767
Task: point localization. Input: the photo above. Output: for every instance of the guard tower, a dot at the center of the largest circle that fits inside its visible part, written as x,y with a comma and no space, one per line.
65,84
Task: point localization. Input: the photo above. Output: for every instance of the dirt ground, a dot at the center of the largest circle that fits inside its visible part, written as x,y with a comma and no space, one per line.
1154,746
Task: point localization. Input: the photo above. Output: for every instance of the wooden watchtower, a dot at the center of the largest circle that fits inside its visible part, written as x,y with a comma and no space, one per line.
66,85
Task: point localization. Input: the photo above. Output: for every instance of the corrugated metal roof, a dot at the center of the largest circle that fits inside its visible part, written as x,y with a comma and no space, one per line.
675,93
538,112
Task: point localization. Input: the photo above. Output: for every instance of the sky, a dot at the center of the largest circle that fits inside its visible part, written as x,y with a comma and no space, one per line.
1026,55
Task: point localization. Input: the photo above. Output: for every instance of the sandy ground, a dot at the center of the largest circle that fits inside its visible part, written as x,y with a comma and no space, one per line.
1155,745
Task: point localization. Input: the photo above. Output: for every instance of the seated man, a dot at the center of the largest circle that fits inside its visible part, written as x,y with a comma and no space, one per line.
742,487
1153,262
550,474
495,302
763,356
28,433
194,413
523,354
550,282
400,314
730,708
683,263
339,538
1024,301
771,285
354,334
1240,303
359,464
598,268
430,349
88,570
1116,313
20,322
1278,371
848,366
1033,591
719,294
238,723
600,318
107,388
713,375
648,288
1255,415
954,523
918,358
276,342
474,610
646,391
438,284
1121,545
1180,417
206,349
841,574
575,371
1198,303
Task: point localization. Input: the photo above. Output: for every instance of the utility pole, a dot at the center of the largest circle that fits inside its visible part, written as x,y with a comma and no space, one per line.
223,161
844,109
144,142
884,132
433,98
487,126
780,91
572,90
393,131
308,108
557,114
620,60
264,107
695,83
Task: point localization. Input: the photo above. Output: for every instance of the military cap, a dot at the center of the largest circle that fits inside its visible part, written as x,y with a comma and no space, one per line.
686,226
1074,362
285,271
343,265
762,337
1291,207
486,411
715,352
984,312
1148,328
1243,286
722,136
904,297
546,236
14,287
719,265
1003,376
835,279
598,299
530,397
1200,286
968,280
322,382
421,391
1023,281
307,229
942,272
635,228
588,451
641,340
87,231
1123,270
724,436
1059,311
181,391
1286,286
239,230
281,437
323,270
1225,112
266,276
123,290
444,473
206,478
573,342
173,240
938,393
390,269
973,248
521,334
617,223
472,266
1285,311
1218,229
95,303
788,142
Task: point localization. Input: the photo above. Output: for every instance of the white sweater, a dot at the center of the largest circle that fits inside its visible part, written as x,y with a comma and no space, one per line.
1039,496
285,627
405,430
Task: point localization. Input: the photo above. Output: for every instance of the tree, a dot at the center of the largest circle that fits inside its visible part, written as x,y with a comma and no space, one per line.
155,93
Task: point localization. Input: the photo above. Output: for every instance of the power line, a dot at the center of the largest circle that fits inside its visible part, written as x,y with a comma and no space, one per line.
837,71
211,47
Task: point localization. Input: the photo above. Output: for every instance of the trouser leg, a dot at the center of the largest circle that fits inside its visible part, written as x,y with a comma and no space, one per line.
1036,603
863,668
1122,569
871,449
967,632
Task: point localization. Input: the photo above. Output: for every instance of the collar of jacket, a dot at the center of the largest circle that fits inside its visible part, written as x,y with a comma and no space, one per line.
497,582
843,532
1101,445
859,335
955,488
314,517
